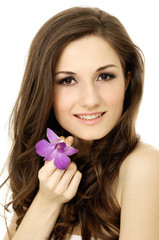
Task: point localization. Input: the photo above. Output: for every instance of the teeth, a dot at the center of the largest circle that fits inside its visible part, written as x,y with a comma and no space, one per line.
88,117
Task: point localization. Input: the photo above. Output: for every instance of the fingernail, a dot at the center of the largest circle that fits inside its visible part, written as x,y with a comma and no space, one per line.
70,138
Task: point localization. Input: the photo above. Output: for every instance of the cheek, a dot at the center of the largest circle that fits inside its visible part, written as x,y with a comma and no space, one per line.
57,103
115,97
61,104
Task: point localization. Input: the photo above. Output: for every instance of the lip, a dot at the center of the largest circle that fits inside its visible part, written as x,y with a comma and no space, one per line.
89,113
90,121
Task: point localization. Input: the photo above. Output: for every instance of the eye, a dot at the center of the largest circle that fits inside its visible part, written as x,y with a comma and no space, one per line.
106,76
67,81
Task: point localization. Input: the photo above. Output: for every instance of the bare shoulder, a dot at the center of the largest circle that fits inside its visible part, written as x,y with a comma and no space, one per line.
139,186
143,160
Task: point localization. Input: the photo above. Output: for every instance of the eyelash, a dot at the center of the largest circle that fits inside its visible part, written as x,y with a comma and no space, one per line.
107,77
63,81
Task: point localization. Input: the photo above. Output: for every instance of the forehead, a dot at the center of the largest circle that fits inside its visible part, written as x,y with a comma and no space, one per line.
93,51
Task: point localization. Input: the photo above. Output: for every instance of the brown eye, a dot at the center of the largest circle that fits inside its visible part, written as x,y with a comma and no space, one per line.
106,76
67,81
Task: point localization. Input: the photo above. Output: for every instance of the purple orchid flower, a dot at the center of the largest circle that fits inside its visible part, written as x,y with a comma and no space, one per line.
55,149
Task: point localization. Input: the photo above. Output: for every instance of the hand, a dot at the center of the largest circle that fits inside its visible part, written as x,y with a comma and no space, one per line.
59,186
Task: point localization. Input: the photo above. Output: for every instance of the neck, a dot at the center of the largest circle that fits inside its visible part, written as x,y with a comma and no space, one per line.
83,146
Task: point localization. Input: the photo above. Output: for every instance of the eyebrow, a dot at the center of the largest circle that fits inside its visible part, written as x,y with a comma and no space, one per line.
98,70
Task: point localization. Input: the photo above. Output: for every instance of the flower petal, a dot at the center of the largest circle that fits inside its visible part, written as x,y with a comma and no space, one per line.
43,148
55,149
53,138
51,155
61,161
69,150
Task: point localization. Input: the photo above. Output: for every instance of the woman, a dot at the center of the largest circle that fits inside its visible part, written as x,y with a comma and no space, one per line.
84,80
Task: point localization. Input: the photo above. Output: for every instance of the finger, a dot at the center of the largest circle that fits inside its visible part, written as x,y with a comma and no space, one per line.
73,186
69,140
48,169
69,173
46,162
56,177
62,138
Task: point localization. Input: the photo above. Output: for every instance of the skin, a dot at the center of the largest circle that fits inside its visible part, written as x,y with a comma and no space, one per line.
89,88
55,188
136,186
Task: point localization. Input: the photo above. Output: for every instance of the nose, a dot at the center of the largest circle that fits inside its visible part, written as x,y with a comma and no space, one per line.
89,96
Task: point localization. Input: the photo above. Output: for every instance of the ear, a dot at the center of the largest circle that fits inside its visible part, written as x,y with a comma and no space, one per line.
127,80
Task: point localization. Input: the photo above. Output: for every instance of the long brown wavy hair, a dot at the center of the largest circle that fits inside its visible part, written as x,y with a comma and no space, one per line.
94,207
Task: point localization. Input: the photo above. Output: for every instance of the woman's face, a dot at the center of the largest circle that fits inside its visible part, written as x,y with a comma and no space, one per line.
89,88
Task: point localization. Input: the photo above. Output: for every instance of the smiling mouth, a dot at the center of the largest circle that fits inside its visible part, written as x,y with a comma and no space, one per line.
89,116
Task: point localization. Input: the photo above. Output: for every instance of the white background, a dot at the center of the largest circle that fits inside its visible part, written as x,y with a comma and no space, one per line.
19,22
